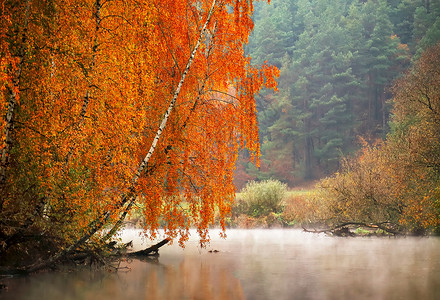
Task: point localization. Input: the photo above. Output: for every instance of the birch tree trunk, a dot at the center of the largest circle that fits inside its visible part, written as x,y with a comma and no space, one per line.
132,199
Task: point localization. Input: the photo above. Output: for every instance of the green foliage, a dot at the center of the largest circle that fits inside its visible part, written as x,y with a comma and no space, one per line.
338,60
431,37
275,32
262,198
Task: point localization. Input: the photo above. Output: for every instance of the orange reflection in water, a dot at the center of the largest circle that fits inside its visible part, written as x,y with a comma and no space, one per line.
193,279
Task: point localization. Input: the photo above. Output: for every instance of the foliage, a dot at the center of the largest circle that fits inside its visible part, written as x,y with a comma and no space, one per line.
396,181
300,207
87,88
263,198
364,190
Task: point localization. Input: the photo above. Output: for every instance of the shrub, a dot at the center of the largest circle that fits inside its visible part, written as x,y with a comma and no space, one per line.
297,209
264,197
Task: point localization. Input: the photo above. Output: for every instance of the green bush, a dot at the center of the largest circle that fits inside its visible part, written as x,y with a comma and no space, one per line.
264,197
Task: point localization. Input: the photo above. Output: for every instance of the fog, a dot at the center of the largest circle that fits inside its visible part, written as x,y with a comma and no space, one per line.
256,264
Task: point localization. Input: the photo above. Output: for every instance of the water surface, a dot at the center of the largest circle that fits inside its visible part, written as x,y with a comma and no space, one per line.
256,264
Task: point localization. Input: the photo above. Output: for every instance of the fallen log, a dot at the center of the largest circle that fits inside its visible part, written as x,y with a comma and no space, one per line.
150,251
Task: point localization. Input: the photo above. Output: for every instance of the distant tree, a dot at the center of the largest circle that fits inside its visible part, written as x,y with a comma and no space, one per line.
402,17
276,30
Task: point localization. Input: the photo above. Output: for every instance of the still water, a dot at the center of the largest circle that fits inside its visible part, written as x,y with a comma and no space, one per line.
256,264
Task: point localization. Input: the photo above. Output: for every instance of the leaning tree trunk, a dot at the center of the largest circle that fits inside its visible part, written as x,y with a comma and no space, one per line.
132,198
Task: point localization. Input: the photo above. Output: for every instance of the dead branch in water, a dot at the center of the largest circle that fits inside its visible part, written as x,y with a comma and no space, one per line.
150,251
343,229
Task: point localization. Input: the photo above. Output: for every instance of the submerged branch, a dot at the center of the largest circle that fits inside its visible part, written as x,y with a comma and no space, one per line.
150,251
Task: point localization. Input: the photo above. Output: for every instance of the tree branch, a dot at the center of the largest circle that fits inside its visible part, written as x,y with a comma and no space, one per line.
153,250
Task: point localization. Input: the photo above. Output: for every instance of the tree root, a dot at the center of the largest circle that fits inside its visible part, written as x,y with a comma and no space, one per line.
99,257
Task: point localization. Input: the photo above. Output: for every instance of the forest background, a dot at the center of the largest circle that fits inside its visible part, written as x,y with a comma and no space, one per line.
338,62
356,104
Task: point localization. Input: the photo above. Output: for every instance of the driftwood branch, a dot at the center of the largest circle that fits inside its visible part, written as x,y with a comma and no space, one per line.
151,251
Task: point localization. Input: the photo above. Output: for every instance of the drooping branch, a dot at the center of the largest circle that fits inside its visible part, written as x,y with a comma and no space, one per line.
87,94
174,99
97,15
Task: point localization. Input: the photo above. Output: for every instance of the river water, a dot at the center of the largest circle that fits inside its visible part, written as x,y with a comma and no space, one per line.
256,264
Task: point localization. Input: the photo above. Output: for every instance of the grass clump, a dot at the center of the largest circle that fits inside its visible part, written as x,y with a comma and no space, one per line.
262,198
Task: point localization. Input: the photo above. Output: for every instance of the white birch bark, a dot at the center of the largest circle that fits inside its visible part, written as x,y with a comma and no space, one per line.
174,99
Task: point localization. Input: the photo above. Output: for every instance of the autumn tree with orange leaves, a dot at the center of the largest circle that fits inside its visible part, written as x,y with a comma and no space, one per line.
108,104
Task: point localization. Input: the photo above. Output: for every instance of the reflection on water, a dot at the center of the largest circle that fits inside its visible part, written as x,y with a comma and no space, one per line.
193,279
257,264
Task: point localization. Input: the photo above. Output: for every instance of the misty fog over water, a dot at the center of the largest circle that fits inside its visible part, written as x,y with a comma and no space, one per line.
256,264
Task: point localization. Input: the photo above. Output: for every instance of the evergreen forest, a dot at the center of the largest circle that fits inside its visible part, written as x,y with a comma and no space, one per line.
338,61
